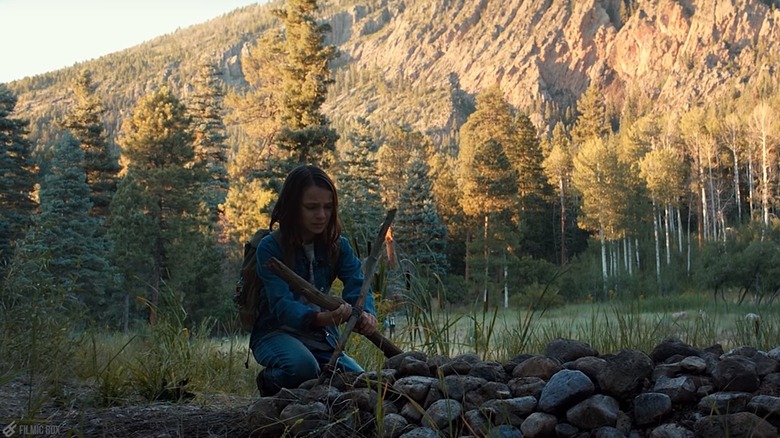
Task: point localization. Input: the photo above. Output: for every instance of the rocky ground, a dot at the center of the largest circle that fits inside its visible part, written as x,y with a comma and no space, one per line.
207,415
570,391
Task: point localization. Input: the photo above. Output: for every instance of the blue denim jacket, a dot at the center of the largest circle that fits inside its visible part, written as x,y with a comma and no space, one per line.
288,309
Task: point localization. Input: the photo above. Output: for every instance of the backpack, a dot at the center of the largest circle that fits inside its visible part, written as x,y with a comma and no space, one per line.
249,285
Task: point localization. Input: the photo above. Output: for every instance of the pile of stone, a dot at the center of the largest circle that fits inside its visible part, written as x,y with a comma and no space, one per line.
570,391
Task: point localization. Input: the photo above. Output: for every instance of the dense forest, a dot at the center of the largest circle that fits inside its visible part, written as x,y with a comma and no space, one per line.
130,183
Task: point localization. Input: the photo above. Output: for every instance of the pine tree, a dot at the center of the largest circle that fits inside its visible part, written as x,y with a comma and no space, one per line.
445,182
524,152
419,231
360,204
489,184
158,148
306,135
133,231
205,109
393,158
85,121
66,237
592,121
18,178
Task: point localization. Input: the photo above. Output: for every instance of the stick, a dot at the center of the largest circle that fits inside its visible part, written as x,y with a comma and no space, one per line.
329,302
357,309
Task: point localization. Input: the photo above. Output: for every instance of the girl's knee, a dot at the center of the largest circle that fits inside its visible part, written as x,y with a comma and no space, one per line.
299,371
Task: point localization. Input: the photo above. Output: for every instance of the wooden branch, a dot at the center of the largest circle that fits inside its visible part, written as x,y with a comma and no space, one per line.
357,308
329,302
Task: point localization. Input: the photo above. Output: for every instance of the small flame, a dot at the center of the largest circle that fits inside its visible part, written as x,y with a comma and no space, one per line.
390,248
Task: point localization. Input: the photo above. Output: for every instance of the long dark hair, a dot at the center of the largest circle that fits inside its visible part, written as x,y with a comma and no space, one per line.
287,211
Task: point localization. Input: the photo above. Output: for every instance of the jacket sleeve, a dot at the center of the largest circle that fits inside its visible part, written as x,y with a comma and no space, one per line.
350,272
281,300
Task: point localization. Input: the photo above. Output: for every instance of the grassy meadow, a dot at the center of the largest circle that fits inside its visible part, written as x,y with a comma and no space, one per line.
173,362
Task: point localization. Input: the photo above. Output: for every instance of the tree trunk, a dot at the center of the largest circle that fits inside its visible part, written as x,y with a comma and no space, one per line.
563,223
667,213
657,246
487,257
602,238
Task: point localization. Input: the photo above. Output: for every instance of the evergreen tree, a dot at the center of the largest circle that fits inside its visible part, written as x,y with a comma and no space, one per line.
205,109
133,231
360,204
18,178
85,121
419,231
592,121
158,148
65,233
534,193
306,135
489,183
447,195
393,158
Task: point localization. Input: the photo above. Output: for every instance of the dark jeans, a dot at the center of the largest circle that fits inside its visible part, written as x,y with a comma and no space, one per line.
288,362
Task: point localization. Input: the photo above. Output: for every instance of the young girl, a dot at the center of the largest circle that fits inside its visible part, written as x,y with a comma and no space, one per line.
293,338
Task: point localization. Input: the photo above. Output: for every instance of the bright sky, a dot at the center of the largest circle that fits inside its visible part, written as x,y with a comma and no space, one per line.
45,35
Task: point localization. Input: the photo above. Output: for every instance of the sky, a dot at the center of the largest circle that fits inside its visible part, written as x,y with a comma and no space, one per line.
45,35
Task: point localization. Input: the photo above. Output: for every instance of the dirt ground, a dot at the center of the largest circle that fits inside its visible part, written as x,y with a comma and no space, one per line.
71,414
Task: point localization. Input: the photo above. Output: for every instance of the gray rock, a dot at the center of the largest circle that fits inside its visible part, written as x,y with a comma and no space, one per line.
591,366
764,364
625,374
736,373
412,366
491,371
522,386
670,347
538,366
395,362
607,432
774,353
565,389
597,411
739,425
416,387
504,431
539,425
651,407
303,419
476,422
512,411
671,431
724,403
456,387
394,425
421,432
693,365
443,414
680,389
565,430
567,350
765,406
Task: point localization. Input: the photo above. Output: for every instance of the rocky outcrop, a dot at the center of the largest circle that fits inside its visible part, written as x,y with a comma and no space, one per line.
669,51
569,391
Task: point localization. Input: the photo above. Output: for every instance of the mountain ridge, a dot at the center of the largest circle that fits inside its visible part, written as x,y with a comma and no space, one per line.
670,53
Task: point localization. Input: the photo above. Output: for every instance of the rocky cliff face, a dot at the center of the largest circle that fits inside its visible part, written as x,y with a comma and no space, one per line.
543,53
673,51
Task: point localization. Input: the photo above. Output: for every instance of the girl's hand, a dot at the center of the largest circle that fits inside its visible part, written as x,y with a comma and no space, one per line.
333,317
366,325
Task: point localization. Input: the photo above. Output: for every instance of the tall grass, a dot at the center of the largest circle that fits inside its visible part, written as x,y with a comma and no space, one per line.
36,339
175,361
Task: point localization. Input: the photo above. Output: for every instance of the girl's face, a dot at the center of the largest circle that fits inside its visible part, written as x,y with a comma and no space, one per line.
316,211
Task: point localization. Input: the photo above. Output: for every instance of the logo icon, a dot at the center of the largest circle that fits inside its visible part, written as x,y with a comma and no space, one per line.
9,430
